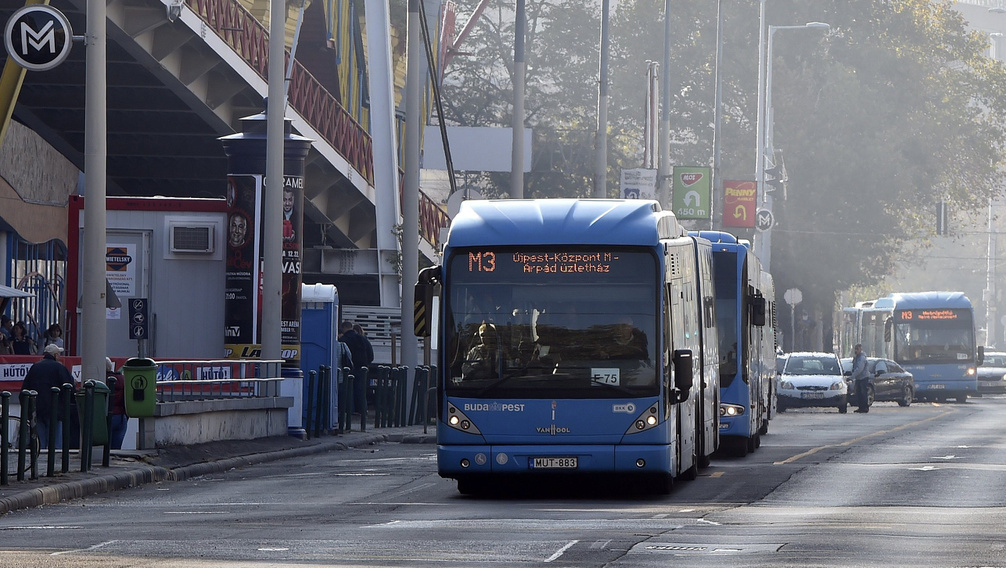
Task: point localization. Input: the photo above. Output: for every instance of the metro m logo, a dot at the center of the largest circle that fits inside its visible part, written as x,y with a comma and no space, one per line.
37,40
38,37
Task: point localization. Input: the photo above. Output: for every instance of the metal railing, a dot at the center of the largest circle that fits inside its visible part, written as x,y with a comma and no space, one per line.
249,38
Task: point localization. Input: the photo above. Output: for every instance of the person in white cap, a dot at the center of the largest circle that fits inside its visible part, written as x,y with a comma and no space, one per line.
41,377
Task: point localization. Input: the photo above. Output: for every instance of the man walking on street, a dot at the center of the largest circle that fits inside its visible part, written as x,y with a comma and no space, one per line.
41,377
860,378
363,356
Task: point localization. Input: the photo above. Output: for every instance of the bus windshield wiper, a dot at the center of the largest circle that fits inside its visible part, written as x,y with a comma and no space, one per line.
496,383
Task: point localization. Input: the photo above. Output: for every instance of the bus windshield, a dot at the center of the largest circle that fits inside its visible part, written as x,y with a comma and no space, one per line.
547,324
947,339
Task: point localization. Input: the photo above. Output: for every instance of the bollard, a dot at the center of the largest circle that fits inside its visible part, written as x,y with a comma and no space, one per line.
50,451
383,397
4,435
346,409
417,395
362,396
319,401
402,396
106,454
67,413
309,415
326,398
32,435
87,427
22,434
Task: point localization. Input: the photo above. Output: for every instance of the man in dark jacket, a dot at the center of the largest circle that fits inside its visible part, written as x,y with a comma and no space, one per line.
363,356
41,377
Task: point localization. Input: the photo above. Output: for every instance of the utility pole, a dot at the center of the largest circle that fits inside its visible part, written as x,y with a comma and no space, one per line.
93,335
517,157
601,140
663,137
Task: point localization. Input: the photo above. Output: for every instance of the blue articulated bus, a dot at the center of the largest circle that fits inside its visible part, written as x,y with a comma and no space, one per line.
570,341
745,308
932,335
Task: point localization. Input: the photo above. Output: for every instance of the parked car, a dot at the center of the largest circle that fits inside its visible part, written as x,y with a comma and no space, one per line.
992,373
812,379
888,382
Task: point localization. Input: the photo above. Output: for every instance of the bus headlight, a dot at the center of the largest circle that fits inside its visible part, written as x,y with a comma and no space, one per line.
972,371
645,421
457,420
730,410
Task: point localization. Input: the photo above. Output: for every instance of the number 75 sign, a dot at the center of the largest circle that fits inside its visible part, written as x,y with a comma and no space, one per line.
691,190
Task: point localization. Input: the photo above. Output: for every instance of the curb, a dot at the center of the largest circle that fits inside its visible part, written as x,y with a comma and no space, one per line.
105,483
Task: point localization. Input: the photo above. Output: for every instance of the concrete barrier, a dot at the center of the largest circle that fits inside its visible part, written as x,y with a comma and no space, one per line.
197,421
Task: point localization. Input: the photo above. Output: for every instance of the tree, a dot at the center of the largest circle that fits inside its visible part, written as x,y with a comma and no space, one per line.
894,109
898,110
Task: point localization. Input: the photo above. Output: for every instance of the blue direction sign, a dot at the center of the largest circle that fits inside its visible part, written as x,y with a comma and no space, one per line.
38,37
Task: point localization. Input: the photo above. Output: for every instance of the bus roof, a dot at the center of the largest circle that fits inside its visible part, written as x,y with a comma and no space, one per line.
916,300
561,221
721,237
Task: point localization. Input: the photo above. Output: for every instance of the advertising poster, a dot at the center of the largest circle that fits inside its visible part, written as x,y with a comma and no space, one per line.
293,221
691,192
245,249
241,293
740,201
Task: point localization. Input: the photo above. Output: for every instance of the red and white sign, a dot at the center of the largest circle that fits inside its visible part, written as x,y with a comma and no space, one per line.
690,178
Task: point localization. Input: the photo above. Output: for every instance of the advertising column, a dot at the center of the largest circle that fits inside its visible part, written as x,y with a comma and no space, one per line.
246,152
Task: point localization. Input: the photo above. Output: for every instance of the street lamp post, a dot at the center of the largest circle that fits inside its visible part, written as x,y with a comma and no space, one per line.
763,244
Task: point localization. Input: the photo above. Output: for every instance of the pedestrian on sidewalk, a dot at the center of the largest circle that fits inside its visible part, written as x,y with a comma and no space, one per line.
118,406
363,356
861,378
41,377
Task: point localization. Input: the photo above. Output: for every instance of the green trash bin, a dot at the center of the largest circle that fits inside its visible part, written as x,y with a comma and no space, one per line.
99,428
140,374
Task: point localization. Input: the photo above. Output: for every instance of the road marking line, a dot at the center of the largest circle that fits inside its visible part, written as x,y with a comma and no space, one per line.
95,547
813,451
559,552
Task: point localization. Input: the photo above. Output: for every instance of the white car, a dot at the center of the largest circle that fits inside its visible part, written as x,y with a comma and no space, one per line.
812,379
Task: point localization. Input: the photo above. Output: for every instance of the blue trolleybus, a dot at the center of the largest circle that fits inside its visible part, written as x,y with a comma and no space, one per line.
745,307
570,341
931,334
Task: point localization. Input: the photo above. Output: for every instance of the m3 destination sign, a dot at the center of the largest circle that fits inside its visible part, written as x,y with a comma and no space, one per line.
541,262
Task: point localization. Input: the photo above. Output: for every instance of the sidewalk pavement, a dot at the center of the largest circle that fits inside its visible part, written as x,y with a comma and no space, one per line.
130,468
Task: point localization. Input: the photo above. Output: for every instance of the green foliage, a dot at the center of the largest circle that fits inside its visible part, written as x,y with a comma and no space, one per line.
894,109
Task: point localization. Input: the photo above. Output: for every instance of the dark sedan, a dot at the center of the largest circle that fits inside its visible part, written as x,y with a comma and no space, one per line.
992,373
888,381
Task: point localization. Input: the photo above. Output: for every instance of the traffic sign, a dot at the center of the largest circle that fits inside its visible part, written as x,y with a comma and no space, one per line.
764,220
138,318
38,37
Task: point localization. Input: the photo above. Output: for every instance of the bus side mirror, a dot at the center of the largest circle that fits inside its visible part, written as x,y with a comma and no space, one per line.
758,309
981,354
888,329
683,377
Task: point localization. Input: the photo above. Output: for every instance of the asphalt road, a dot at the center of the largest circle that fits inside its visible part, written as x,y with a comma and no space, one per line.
917,486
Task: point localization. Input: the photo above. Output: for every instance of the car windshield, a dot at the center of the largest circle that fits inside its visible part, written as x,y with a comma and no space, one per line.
997,360
812,365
